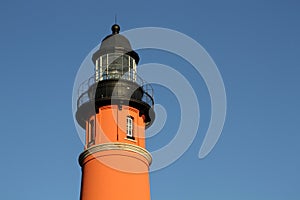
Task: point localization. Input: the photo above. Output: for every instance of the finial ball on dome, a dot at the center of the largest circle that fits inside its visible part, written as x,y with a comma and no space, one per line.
115,29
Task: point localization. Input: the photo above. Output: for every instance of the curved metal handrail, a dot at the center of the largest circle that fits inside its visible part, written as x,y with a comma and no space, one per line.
83,88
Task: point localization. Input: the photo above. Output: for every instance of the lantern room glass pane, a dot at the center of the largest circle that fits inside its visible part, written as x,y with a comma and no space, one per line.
104,60
116,66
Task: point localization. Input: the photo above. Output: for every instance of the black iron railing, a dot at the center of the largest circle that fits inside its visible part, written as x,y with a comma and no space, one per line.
83,89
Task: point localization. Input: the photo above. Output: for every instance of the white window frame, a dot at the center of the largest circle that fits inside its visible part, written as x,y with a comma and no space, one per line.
92,132
129,127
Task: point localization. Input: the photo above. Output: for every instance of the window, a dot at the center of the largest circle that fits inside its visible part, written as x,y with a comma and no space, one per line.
129,127
91,132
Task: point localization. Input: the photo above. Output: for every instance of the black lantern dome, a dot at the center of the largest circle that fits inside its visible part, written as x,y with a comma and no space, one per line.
115,43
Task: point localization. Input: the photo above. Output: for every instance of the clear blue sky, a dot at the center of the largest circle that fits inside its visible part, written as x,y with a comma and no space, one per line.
254,43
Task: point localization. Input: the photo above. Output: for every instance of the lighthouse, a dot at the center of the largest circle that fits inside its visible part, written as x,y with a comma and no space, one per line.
115,107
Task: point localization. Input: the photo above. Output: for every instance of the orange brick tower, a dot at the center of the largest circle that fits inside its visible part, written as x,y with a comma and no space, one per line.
115,109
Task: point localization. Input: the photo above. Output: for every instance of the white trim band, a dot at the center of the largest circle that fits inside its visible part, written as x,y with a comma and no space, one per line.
115,146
